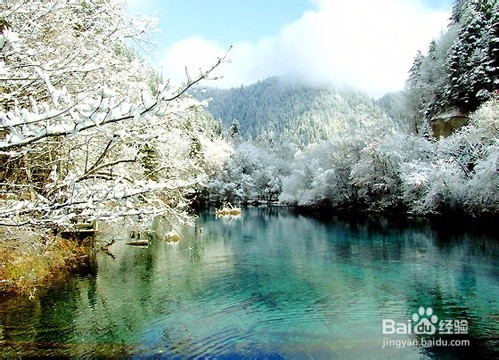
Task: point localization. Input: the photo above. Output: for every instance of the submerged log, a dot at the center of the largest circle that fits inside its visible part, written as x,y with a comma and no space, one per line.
138,243
80,229
105,248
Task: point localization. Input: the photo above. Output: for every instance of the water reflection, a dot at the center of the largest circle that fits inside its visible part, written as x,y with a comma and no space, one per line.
271,283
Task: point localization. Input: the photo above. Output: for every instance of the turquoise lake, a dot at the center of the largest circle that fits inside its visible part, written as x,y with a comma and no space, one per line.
271,284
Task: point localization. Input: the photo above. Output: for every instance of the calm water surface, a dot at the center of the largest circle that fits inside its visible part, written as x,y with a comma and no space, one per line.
270,284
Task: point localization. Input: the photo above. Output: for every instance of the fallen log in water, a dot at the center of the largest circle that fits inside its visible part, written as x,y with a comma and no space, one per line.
138,243
105,248
110,243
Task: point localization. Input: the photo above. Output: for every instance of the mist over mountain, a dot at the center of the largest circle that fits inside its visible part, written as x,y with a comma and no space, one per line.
281,108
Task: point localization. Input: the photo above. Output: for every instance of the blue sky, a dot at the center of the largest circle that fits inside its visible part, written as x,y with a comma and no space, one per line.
363,44
227,21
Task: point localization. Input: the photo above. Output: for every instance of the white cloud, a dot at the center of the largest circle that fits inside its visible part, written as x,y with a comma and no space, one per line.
195,53
365,44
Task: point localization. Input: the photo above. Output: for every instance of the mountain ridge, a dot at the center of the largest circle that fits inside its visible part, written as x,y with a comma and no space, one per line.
285,109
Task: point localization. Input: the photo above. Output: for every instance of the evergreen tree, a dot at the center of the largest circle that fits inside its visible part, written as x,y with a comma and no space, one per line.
470,67
457,11
492,36
415,102
415,71
461,68
234,129
427,82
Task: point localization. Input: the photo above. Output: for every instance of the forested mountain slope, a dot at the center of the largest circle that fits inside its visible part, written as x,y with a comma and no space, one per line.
282,108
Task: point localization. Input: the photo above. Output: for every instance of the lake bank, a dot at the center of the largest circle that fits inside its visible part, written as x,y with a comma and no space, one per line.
486,224
31,261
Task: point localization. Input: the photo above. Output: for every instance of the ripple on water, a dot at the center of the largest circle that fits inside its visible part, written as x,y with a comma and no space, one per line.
295,288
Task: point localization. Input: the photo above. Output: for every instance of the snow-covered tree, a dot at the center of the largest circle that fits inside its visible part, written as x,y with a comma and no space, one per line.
389,170
461,69
253,173
319,175
457,10
87,130
472,68
476,150
426,85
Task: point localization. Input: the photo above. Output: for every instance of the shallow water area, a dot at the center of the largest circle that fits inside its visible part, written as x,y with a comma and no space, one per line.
268,284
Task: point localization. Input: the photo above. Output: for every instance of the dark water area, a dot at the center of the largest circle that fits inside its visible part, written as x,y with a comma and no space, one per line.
275,284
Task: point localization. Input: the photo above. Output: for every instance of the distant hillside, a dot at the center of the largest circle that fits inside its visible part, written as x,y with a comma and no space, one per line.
285,109
397,106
